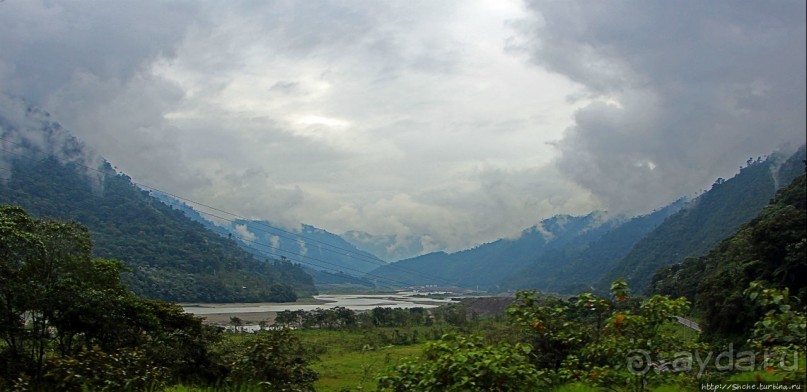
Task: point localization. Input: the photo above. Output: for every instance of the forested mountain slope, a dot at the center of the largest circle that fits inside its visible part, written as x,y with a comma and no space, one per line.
576,267
329,259
170,257
707,220
771,248
487,265
571,254
313,247
562,254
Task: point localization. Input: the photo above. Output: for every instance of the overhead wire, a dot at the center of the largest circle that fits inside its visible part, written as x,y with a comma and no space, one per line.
254,223
350,253
333,267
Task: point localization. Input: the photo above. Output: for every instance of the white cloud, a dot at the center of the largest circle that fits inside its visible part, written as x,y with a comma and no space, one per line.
415,118
244,233
274,243
680,93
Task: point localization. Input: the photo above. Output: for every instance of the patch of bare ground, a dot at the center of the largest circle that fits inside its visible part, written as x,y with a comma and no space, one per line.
487,306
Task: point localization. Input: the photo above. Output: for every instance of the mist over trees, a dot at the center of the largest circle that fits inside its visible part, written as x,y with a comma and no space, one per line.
168,256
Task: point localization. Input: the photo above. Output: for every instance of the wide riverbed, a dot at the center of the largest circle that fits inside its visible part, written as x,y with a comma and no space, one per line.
265,311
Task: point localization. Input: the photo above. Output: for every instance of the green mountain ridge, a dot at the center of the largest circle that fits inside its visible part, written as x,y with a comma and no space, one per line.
771,248
568,255
706,220
488,265
327,257
168,256
573,269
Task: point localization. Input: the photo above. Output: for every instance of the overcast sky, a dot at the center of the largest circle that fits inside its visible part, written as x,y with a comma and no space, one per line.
460,121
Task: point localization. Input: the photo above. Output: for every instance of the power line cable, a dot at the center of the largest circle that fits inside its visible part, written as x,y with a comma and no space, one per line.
336,268
349,253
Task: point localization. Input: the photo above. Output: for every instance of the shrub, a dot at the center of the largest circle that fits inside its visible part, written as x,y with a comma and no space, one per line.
465,363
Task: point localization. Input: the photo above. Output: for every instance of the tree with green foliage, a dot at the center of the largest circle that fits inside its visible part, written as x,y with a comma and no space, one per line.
780,336
770,248
67,322
47,274
465,363
237,324
168,256
275,361
593,340
547,327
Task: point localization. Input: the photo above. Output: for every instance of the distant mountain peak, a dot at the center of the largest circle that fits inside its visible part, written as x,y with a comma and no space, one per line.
565,224
313,247
392,247
28,132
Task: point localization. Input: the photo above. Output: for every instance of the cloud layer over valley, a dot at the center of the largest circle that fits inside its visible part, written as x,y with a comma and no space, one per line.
459,122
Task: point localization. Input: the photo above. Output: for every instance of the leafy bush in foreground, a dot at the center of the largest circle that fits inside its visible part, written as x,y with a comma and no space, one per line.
276,360
465,363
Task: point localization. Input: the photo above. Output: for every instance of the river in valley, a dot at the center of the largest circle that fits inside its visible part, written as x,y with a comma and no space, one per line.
253,313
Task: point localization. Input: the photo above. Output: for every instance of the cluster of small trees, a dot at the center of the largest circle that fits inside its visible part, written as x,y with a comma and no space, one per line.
334,318
748,293
62,312
68,323
341,317
618,343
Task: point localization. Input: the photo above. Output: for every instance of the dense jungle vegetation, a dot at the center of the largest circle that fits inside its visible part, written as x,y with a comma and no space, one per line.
771,248
69,323
167,255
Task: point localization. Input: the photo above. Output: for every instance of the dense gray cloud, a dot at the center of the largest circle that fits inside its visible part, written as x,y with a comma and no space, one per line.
454,122
47,44
89,64
682,92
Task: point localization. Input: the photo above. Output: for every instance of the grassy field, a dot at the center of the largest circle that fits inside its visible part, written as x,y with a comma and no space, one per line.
352,359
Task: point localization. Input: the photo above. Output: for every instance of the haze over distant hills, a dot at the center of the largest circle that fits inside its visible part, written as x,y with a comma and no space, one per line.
52,175
391,247
311,246
570,254
174,254
327,257
708,219
541,257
